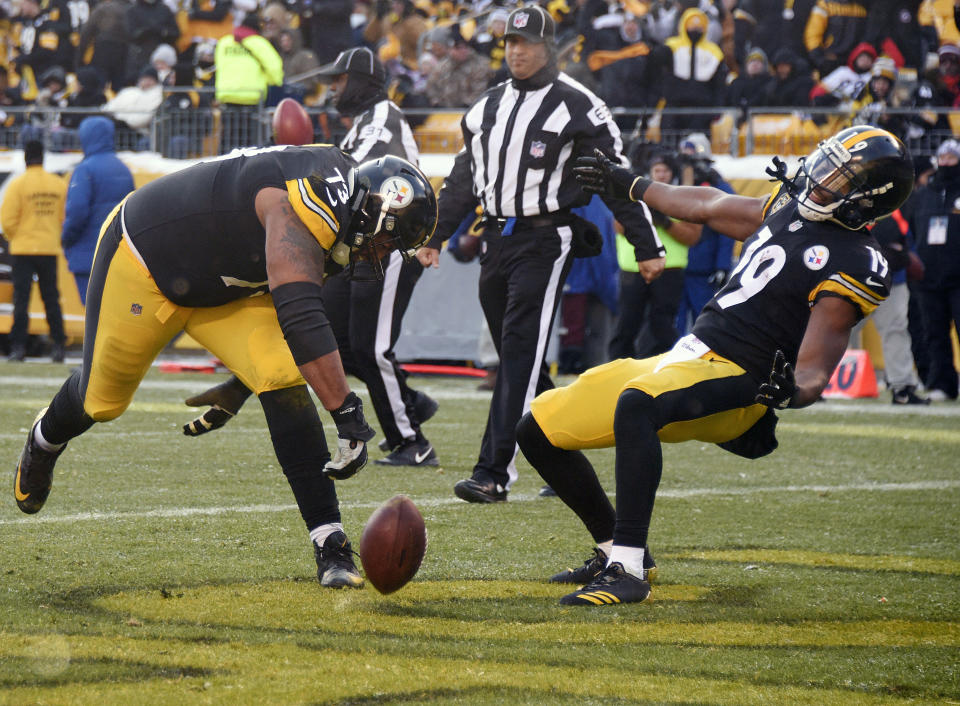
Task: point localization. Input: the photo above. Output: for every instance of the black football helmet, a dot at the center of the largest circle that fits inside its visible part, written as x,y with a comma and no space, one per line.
858,176
394,205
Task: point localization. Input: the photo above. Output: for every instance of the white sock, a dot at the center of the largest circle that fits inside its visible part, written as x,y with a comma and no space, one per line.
318,535
605,547
43,443
630,557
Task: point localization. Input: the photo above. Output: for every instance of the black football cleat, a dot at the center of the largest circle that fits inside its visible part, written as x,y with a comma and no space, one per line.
31,487
594,566
907,395
480,490
612,586
335,566
424,407
585,573
415,452
547,492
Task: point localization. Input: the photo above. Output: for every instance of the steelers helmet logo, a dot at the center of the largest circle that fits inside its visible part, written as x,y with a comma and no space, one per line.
397,192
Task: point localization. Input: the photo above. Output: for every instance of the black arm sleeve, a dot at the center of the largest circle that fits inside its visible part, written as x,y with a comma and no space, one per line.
638,228
455,200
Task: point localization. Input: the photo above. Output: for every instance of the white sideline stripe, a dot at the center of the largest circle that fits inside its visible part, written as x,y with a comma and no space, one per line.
443,502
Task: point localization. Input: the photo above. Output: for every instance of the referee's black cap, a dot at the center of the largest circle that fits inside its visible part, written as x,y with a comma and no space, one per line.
354,61
531,22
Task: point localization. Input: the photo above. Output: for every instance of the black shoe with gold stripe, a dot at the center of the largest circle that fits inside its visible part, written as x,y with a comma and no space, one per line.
612,586
31,486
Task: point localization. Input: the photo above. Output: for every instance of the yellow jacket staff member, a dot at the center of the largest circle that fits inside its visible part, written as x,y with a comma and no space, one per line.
31,217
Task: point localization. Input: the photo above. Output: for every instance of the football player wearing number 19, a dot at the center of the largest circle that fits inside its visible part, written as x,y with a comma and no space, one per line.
770,339
234,251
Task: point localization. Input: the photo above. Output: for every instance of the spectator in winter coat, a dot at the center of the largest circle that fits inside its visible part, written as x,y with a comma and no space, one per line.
330,29
90,95
150,23
746,90
97,184
791,83
934,218
895,30
833,29
845,83
693,73
460,78
106,32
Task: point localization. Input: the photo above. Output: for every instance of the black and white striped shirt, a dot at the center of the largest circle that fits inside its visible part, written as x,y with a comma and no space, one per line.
380,130
520,145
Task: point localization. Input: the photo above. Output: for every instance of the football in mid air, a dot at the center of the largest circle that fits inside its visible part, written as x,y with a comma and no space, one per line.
291,124
393,543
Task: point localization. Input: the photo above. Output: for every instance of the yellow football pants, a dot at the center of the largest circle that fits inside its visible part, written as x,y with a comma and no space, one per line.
580,415
134,321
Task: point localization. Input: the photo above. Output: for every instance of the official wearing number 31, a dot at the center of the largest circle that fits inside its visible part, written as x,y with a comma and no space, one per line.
234,251
769,339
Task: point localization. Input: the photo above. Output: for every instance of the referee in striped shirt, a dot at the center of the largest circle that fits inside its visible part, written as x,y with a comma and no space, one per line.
521,139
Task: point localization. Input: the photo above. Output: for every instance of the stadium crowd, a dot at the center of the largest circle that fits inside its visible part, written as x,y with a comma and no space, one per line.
691,55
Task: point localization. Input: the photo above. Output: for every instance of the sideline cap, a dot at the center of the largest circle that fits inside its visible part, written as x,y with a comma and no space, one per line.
531,22
359,60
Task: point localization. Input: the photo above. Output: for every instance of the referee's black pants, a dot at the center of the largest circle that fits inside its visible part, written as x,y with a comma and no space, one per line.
521,277
365,317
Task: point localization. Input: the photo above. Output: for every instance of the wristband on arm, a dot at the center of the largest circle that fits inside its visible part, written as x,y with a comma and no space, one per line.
639,187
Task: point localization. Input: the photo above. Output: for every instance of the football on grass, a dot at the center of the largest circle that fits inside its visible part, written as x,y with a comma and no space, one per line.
393,544
291,124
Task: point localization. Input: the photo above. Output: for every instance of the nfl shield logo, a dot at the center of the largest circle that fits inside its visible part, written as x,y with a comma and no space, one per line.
136,309
537,149
520,20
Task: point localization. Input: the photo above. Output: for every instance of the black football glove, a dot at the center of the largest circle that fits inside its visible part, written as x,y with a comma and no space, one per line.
600,175
779,390
353,433
225,401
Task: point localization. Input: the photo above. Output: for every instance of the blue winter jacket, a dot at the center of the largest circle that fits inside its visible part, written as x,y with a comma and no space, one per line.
98,184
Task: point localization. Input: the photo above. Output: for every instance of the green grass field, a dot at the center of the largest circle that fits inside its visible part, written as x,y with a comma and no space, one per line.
171,570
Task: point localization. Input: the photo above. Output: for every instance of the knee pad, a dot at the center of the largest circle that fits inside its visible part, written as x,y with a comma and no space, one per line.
634,406
529,433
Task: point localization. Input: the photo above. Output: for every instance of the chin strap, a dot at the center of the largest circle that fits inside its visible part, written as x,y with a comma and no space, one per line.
779,173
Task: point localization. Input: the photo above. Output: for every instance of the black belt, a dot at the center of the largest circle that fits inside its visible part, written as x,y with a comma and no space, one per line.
529,222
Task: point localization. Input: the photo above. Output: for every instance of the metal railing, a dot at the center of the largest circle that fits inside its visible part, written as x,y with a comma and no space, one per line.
191,132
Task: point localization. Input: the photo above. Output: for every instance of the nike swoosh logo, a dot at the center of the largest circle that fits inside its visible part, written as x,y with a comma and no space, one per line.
418,458
16,488
874,283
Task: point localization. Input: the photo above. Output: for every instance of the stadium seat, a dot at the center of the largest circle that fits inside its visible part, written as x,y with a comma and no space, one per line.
440,132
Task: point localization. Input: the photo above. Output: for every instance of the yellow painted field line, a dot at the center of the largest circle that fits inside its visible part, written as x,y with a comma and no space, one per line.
826,559
253,674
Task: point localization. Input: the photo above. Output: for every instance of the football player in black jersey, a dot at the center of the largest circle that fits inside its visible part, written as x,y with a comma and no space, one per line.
769,339
234,251
365,315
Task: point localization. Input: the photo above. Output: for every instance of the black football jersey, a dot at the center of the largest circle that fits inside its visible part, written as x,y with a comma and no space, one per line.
785,268
197,230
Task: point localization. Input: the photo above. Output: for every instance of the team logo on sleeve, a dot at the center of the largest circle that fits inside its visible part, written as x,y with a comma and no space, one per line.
815,257
397,191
